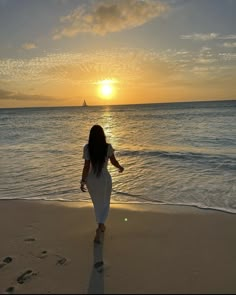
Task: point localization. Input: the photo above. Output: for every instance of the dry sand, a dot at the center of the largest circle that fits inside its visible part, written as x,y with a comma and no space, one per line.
47,247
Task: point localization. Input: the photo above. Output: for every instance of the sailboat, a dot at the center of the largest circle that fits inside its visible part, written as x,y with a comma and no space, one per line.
84,104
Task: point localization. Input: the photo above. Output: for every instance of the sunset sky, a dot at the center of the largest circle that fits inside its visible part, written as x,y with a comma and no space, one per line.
60,52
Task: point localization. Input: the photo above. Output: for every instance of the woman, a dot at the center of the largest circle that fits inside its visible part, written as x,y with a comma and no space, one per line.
96,176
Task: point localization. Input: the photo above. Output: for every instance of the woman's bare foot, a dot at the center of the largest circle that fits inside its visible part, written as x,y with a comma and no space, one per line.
102,227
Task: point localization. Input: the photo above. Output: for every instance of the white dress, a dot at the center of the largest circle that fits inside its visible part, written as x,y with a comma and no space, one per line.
100,187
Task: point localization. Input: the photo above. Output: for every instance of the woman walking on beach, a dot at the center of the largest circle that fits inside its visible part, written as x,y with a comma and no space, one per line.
96,176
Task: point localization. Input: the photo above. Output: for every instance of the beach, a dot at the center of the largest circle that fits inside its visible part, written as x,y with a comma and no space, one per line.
47,247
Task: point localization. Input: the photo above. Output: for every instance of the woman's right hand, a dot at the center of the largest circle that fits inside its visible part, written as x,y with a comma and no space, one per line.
83,188
83,185
121,169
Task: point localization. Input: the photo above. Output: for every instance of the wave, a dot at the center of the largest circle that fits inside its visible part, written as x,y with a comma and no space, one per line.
142,200
179,155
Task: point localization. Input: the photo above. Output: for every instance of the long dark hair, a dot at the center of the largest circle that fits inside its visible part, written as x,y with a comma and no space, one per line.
97,146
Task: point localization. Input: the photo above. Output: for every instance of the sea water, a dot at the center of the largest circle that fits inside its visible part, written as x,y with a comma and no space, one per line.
176,153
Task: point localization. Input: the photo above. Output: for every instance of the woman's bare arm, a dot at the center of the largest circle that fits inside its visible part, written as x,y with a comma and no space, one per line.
115,163
85,170
85,175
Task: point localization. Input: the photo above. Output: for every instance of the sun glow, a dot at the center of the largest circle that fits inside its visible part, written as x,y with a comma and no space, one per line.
106,88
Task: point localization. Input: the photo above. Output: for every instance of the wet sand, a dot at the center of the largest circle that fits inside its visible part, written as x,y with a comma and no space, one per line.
47,247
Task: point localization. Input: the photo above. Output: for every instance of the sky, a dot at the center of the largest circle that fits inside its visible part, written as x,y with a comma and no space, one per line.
60,52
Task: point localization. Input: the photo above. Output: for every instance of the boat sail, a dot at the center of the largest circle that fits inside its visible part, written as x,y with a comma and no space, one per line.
84,104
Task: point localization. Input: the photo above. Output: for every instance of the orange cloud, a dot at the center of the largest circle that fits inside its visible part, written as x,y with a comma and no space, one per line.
29,46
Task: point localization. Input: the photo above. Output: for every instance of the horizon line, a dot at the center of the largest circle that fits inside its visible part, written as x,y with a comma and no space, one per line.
128,104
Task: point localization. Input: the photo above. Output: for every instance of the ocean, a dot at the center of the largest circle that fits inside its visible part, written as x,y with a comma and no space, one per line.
173,153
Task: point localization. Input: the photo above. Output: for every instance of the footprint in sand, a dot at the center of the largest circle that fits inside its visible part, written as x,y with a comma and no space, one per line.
62,261
30,240
10,290
27,275
43,254
6,260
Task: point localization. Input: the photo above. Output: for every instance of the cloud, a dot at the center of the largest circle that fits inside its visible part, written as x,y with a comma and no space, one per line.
205,49
4,93
29,46
103,17
202,60
10,95
129,66
227,37
207,37
228,56
122,63
229,44
200,37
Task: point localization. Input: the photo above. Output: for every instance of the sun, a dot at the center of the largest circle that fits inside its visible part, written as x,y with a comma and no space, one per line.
106,89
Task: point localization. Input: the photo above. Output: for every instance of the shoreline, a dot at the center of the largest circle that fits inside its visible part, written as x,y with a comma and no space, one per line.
47,247
144,204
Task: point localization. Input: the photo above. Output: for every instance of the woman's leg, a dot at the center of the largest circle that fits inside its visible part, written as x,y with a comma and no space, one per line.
100,192
97,238
102,227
